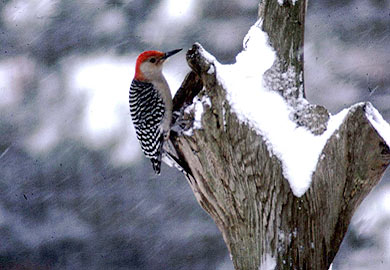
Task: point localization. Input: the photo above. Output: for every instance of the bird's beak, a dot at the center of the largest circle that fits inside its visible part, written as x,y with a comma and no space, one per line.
168,54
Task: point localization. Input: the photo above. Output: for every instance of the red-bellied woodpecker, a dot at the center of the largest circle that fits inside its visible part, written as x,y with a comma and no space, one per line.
151,104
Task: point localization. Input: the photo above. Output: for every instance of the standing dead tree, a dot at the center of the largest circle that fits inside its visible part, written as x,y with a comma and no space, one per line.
268,220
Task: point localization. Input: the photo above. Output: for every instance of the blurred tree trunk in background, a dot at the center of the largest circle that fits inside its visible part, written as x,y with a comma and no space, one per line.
242,187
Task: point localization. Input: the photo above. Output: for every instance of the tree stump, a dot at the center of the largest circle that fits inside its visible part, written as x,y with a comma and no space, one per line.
243,186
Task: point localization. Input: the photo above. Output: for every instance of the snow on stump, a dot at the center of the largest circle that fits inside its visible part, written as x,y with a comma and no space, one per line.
280,177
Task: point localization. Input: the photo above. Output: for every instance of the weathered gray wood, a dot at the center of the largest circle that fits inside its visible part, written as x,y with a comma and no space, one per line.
242,187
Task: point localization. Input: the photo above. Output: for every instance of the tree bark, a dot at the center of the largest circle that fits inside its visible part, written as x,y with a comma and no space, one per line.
241,185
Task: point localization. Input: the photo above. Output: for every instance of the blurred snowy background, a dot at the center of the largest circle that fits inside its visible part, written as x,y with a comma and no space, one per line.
75,191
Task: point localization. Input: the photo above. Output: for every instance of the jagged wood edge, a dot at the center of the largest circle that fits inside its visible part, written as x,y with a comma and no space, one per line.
235,147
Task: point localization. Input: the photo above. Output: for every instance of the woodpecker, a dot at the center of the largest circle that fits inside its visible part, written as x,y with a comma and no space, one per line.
150,102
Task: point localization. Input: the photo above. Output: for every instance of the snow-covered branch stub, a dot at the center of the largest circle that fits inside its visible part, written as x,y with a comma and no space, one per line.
250,86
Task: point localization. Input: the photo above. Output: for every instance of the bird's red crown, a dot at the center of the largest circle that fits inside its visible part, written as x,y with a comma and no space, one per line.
141,58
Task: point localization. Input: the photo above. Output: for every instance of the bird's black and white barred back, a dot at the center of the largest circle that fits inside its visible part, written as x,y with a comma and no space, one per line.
147,110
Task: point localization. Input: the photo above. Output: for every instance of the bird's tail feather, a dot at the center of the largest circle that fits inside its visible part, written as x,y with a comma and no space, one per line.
156,163
170,157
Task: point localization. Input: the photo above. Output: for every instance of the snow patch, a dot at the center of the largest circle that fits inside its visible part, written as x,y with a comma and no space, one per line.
189,132
198,114
197,108
209,57
267,262
199,103
224,117
381,126
280,2
211,70
268,113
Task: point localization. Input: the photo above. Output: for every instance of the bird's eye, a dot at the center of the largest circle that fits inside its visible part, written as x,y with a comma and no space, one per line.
152,60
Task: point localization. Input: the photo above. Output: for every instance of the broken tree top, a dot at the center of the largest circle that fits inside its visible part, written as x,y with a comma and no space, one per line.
270,115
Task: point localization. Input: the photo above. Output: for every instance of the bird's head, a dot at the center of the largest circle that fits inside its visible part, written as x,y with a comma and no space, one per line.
149,64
